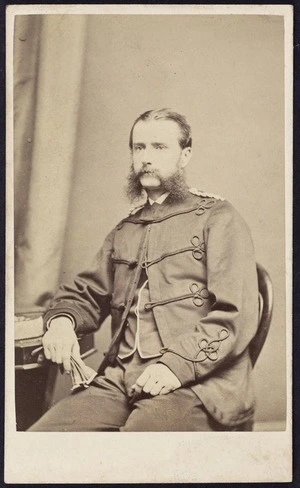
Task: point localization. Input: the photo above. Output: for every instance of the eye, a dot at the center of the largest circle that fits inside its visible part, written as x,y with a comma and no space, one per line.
137,148
160,147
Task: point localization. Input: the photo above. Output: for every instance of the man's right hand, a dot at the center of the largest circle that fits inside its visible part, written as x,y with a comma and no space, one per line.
60,342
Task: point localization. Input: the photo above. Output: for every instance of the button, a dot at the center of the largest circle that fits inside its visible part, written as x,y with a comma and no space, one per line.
204,293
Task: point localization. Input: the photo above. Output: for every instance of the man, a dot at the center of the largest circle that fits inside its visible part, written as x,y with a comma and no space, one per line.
178,277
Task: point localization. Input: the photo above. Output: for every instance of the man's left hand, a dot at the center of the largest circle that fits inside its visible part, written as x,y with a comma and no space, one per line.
157,379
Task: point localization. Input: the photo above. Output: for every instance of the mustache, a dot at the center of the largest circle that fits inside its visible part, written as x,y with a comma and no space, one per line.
147,171
174,184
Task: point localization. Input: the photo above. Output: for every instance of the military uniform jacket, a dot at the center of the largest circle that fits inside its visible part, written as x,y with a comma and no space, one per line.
203,294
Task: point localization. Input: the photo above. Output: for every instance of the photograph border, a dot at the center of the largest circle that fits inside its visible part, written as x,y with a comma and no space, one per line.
271,445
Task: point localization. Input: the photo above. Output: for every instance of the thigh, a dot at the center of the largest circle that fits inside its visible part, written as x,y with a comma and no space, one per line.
179,411
101,407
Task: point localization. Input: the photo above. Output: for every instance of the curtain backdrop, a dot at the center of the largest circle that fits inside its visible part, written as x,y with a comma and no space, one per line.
48,62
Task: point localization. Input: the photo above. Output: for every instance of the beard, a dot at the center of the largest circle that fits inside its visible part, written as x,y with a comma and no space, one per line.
175,184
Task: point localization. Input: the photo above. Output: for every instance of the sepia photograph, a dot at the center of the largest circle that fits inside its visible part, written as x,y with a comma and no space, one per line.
149,210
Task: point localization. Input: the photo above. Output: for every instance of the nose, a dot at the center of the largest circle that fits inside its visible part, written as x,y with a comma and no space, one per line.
146,163
146,157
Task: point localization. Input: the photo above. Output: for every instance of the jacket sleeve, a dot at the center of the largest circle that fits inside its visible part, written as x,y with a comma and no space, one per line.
88,299
225,332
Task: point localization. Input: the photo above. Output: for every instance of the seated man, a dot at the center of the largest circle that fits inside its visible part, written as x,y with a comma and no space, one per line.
178,277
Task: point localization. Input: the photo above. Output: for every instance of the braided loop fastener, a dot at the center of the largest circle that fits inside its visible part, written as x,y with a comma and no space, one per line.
208,350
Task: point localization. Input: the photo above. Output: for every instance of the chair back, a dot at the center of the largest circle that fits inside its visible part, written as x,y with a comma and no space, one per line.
265,289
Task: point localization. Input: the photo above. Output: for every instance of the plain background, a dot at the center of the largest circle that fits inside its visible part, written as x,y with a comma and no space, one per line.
226,74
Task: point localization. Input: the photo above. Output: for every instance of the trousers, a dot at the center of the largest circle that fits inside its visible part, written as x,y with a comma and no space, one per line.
109,405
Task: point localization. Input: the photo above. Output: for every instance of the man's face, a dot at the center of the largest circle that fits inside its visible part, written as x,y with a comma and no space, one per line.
156,151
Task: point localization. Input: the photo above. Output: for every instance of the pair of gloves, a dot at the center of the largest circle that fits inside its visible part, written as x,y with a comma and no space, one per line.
81,374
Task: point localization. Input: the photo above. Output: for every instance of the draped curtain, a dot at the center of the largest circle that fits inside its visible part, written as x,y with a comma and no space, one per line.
48,63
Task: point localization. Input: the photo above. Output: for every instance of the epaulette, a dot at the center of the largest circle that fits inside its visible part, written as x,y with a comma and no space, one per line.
134,210
201,193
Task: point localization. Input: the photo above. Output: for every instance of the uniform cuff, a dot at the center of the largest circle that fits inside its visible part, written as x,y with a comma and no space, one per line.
48,323
63,311
184,370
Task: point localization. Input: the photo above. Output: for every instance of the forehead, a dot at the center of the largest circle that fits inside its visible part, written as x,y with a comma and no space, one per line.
156,131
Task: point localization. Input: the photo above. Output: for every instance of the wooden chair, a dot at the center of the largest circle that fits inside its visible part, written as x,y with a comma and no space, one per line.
265,289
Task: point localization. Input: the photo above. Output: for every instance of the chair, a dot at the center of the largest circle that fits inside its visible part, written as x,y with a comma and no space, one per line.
265,289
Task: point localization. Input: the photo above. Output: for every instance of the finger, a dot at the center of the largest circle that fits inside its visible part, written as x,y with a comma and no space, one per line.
47,352
58,354
136,388
165,390
52,351
155,390
45,345
142,379
66,355
149,385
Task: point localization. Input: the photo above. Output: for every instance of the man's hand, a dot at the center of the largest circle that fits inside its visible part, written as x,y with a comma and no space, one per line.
157,379
60,342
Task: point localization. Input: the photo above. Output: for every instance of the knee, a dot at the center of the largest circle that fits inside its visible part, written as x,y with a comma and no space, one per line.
147,417
139,422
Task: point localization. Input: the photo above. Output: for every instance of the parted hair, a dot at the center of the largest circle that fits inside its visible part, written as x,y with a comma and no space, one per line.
167,114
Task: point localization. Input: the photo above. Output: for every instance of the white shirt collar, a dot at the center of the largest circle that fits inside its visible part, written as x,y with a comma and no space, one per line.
160,199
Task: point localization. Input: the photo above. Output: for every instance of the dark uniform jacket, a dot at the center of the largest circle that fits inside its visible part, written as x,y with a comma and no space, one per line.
203,294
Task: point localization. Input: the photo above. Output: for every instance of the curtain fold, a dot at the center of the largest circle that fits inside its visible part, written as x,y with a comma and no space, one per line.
48,63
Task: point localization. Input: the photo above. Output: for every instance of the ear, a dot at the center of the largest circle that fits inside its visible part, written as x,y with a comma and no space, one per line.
185,156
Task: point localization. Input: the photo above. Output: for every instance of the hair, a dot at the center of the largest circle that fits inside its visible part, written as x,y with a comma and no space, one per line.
167,114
